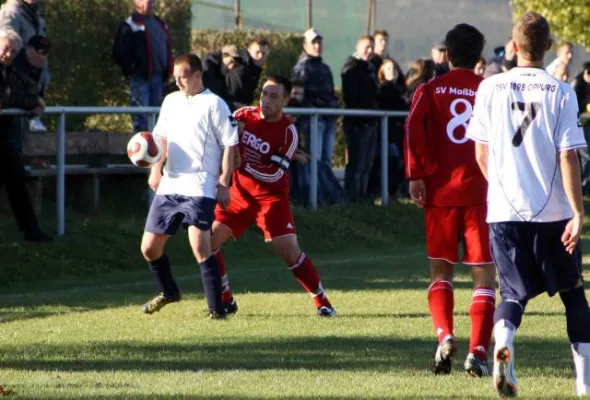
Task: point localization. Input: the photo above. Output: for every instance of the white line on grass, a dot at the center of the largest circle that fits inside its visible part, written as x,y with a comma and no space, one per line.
181,278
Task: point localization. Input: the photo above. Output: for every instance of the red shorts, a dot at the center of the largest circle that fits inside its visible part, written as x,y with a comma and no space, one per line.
273,216
446,226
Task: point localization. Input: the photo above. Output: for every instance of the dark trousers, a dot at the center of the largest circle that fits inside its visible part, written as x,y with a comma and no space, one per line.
361,140
13,176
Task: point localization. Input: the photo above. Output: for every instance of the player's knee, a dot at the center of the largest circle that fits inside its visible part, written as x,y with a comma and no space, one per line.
151,252
202,251
484,276
577,314
441,270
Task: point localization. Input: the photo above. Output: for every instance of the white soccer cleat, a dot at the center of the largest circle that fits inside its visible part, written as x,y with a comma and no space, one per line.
504,376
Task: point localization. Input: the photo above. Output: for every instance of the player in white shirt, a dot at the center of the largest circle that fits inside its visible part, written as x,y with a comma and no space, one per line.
199,136
526,128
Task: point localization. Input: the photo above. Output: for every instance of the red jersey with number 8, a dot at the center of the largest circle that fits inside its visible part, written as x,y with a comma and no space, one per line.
436,148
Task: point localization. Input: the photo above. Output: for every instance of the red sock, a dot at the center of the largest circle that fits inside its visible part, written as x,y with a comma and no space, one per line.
226,295
483,305
441,301
307,275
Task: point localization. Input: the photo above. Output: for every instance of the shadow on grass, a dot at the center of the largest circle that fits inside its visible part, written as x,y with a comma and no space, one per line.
377,353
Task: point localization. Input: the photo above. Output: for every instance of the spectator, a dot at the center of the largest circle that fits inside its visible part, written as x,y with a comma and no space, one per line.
299,169
16,92
359,89
253,58
480,67
30,62
23,17
561,72
421,71
581,85
439,56
142,49
504,60
390,98
318,84
380,53
221,70
565,54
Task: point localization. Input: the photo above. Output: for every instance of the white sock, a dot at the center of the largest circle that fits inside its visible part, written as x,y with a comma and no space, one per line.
581,353
504,332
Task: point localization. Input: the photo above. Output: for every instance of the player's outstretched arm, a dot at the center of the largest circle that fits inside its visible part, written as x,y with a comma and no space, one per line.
227,167
156,170
571,176
481,156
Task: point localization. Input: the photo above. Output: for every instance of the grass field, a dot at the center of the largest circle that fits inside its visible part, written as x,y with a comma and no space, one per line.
84,336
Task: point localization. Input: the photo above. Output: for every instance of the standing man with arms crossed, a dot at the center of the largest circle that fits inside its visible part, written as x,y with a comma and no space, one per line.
260,192
199,136
525,125
446,181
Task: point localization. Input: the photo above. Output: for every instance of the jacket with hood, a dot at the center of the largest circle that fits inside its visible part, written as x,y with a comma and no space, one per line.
318,82
132,48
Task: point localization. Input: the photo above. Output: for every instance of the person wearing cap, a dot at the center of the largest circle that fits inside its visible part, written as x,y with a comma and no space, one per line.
16,92
143,51
439,56
318,84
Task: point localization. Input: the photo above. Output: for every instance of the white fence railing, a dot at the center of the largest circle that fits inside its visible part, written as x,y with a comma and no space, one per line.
315,113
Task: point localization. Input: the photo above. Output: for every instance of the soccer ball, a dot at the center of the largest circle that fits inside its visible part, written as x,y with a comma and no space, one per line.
143,150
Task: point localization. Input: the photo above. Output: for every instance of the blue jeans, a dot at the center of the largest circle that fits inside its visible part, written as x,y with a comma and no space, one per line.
326,137
143,94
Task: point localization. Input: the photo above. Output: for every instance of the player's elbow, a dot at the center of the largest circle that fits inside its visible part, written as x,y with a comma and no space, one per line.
569,156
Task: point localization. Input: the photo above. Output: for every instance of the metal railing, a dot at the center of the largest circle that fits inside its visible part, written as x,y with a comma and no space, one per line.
151,112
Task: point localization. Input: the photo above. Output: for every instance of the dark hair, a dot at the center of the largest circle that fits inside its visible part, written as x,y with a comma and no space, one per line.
532,35
586,67
281,80
381,32
192,60
260,40
464,46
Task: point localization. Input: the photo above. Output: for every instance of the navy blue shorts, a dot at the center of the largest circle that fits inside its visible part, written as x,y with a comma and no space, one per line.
531,259
169,211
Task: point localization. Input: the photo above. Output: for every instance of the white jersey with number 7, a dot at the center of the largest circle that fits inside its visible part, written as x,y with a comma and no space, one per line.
526,117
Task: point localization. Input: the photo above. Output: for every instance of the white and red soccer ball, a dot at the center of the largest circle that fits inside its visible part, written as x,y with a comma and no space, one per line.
144,150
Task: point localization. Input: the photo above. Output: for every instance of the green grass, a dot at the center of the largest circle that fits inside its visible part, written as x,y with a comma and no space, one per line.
83,336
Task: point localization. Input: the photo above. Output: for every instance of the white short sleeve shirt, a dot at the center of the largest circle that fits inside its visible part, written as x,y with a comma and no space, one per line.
197,128
526,117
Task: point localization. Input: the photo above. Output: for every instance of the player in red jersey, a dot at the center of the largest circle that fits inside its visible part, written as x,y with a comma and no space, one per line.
445,180
260,191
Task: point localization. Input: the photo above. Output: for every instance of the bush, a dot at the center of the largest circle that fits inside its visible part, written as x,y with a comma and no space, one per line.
83,72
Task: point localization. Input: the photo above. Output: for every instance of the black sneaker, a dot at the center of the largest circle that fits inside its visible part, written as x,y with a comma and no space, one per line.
216,315
158,302
445,352
476,367
326,312
231,308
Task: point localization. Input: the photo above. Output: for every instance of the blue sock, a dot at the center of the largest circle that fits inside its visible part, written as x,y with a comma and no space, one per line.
163,276
212,284
577,315
511,311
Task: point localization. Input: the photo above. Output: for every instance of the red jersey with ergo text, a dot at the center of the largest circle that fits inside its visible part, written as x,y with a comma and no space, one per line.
436,149
258,176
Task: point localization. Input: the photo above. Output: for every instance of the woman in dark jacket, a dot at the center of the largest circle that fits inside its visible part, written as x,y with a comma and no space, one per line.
421,71
389,97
